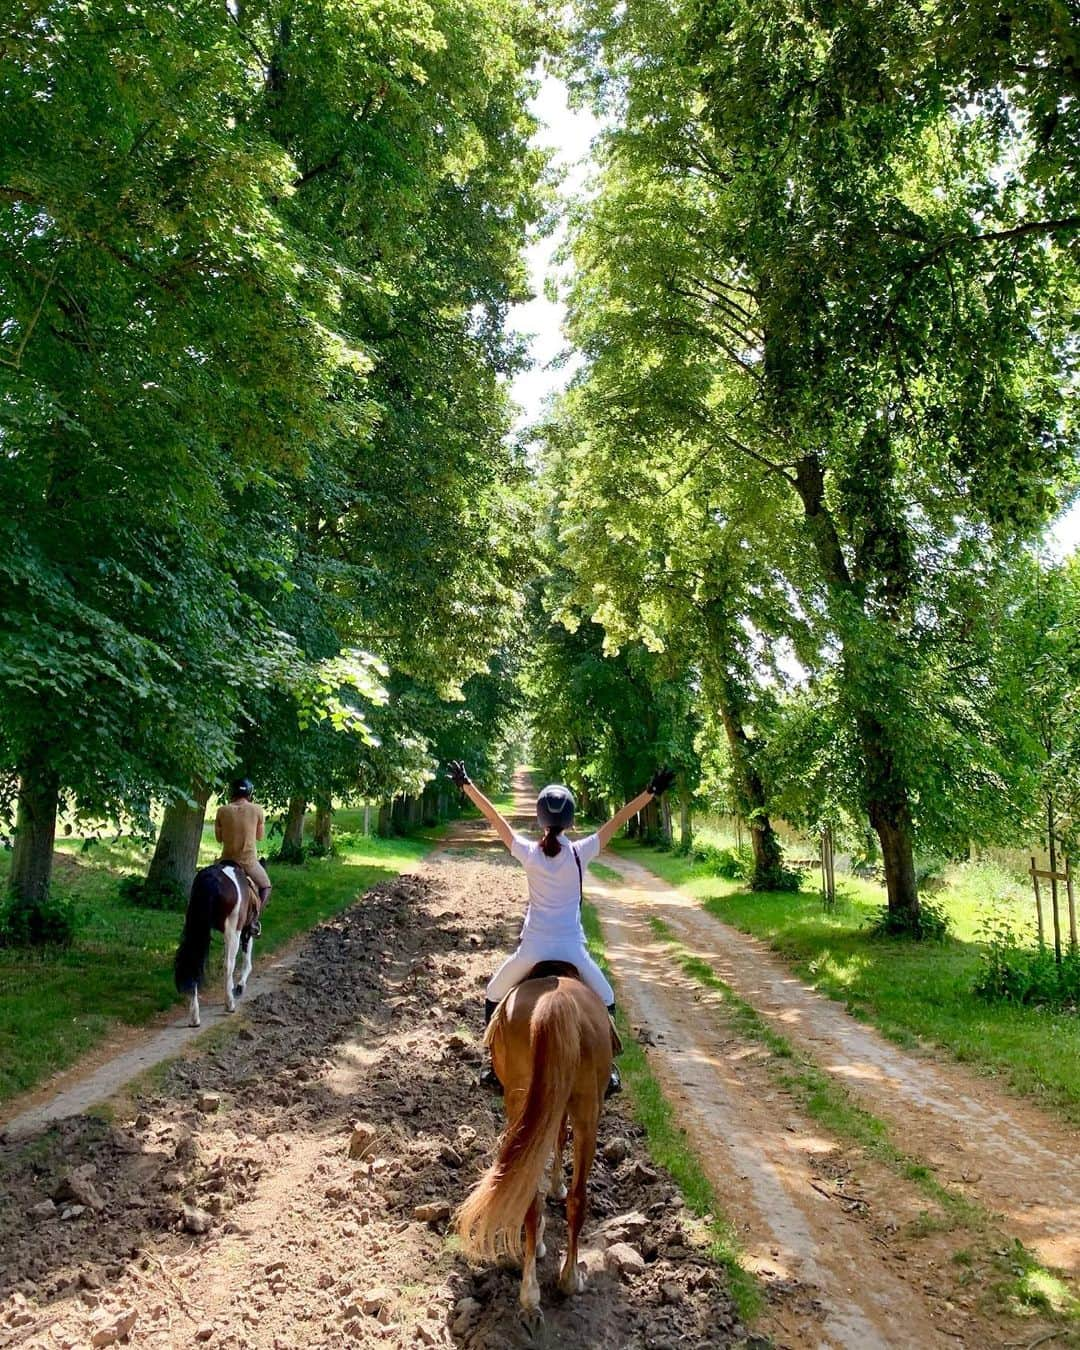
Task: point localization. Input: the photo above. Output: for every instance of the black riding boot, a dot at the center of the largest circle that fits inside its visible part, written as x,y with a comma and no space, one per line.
488,1077
615,1081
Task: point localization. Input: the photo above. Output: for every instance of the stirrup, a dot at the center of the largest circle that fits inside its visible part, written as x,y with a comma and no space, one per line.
614,1083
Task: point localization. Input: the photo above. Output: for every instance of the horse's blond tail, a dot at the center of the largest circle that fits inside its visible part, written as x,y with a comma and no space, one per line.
490,1221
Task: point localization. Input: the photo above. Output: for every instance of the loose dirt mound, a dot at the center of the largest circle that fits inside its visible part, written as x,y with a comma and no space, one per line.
291,1183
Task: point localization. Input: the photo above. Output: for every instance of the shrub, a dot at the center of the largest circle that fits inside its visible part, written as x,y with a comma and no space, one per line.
932,925
779,878
1010,972
42,923
930,872
146,894
732,863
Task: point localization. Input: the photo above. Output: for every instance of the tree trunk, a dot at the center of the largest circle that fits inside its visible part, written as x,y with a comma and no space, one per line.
898,859
367,818
686,832
176,853
665,820
35,831
292,845
888,802
324,826
768,854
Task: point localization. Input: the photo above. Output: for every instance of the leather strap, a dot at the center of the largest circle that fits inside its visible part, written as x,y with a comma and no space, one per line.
580,877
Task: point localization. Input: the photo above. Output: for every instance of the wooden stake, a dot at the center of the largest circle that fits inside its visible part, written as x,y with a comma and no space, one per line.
1038,901
1072,905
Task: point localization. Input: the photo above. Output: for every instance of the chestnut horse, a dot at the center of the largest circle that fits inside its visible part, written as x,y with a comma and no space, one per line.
551,1047
222,897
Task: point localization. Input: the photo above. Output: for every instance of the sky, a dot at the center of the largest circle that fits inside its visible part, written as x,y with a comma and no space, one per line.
570,132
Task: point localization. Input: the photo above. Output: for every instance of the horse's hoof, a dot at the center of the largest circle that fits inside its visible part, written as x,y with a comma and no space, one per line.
541,1251
230,1006
532,1316
194,1022
572,1281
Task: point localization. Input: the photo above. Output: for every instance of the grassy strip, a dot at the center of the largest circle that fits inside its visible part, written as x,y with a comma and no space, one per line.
55,1006
1025,1280
604,872
911,991
668,1145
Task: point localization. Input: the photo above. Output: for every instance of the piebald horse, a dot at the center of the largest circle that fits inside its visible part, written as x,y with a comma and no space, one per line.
222,897
551,1047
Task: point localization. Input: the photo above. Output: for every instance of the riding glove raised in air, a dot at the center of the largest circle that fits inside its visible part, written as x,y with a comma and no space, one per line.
455,771
662,779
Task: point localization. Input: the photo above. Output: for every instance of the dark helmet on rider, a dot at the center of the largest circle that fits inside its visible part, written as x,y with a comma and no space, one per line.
555,807
243,787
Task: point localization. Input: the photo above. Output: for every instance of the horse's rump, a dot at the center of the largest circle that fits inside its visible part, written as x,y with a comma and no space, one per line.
553,1033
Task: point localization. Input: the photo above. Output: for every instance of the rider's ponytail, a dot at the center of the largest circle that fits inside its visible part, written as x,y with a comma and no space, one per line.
550,842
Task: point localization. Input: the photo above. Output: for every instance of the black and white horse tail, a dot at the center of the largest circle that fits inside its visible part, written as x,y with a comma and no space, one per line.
189,967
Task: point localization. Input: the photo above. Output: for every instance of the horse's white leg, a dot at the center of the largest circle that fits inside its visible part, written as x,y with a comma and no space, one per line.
232,943
241,983
541,1249
193,1009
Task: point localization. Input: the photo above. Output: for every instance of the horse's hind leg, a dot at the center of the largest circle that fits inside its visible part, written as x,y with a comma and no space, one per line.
232,942
193,1009
247,948
530,1285
558,1176
571,1280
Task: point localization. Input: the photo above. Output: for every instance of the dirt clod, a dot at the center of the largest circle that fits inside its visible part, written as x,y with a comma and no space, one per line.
362,1137
196,1220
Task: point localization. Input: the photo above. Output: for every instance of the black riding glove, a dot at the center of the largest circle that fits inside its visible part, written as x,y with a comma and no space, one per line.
662,779
455,771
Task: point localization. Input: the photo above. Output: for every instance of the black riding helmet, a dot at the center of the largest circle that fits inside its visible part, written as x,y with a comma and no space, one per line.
243,787
555,807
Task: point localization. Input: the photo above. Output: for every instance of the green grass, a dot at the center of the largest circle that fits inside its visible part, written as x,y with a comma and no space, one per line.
56,1006
669,1146
604,872
914,992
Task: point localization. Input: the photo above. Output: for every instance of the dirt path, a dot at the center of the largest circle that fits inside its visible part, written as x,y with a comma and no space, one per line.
218,1203
819,1217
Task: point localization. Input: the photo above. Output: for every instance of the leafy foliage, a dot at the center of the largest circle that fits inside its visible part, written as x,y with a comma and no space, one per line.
1011,971
50,922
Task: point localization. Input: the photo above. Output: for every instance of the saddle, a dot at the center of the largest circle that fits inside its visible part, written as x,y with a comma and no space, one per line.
547,970
251,927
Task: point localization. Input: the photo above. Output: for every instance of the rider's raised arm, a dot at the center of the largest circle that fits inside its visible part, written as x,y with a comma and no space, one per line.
661,781
501,827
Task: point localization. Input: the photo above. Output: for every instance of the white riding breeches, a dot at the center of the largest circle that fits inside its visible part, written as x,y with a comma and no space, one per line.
534,950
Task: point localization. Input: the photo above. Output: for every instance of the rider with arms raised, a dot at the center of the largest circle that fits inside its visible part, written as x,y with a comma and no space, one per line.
553,869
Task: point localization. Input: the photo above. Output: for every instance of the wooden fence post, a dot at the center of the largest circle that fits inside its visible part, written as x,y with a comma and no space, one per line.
1038,901
1072,904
